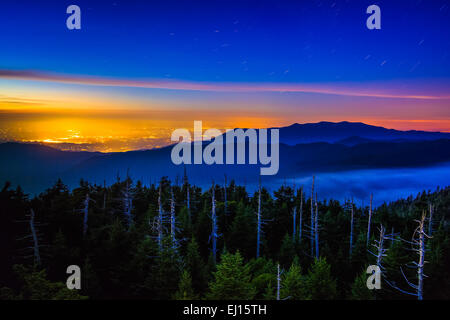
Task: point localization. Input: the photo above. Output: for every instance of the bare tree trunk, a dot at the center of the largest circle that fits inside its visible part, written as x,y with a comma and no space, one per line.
294,223
104,195
278,282
392,236
186,183
172,218
351,229
380,253
214,224
312,217
127,202
160,219
370,219
421,263
258,236
419,246
225,196
316,228
430,222
301,216
37,257
188,199
86,213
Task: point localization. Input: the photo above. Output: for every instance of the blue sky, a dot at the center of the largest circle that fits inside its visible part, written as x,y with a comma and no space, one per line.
231,41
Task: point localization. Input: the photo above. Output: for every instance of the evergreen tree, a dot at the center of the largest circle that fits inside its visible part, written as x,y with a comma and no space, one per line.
287,251
185,291
242,235
270,292
359,289
168,270
320,283
231,280
36,286
195,266
121,261
293,284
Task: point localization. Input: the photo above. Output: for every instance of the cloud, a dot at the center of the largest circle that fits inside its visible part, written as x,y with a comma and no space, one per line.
331,89
19,101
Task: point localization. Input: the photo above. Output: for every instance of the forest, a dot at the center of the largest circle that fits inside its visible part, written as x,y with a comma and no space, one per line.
173,240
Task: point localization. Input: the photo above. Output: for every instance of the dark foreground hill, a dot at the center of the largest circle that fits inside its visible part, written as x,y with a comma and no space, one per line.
35,166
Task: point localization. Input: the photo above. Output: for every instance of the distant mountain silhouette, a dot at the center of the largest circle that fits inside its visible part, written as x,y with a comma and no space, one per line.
353,141
36,167
333,132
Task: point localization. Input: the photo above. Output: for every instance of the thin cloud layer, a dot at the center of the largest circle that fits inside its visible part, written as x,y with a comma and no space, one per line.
341,90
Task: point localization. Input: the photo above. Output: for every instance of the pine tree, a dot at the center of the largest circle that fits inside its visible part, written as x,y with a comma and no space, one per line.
269,293
294,283
36,286
195,265
320,283
169,269
359,289
287,251
242,233
185,291
231,280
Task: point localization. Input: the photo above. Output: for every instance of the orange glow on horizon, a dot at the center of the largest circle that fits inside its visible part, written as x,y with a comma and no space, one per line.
125,132
73,119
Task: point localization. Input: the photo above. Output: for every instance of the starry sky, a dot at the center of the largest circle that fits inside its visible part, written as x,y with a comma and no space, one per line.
138,69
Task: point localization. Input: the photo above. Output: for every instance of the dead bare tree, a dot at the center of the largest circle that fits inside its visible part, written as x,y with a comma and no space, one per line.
316,229
127,199
418,244
370,219
279,285
379,244
300,224
85,214
380,251
392,236
172,219
294,223
186,184
104,195
225,196
278,282
351,227
259,222
37,256
312,217
430,221
159,223
214,233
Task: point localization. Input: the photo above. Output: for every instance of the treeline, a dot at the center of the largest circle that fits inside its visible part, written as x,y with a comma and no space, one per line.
156,242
